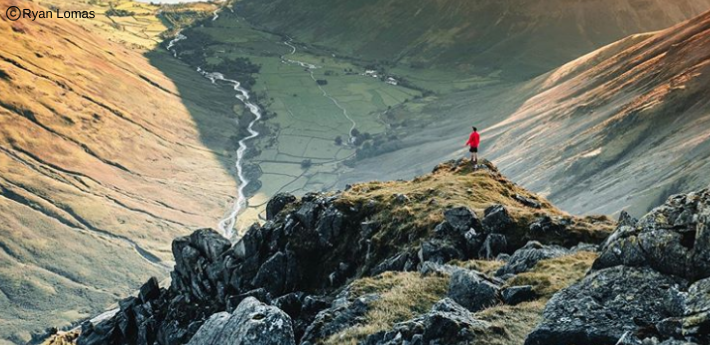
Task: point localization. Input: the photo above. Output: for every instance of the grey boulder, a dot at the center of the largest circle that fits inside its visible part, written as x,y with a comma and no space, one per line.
252,323
473,290
606,306
446,323
525,258
672,239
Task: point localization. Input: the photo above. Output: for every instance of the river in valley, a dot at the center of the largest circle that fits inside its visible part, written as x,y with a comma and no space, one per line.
226,224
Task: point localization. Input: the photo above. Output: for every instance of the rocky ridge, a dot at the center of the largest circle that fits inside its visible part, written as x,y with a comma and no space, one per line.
650,284
321,265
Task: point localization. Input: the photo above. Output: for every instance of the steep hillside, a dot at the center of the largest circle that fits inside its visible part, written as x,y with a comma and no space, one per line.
519,38
102,164
343,267
615,131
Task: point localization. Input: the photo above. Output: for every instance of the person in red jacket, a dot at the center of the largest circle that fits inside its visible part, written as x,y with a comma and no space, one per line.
473,141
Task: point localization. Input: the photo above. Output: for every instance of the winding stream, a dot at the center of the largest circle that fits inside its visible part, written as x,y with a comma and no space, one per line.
226,224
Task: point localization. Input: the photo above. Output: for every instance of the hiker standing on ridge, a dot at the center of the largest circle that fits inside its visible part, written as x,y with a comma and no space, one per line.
473,140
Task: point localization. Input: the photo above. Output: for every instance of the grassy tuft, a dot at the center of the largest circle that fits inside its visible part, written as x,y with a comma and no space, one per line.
550,276
508,324
402,297
485,266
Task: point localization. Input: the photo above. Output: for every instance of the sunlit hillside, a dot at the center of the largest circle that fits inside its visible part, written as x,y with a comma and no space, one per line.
620,128
101,166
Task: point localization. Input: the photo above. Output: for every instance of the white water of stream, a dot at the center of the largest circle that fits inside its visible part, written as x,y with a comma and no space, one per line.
226,224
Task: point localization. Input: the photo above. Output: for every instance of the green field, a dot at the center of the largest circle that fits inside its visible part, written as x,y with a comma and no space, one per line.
308,117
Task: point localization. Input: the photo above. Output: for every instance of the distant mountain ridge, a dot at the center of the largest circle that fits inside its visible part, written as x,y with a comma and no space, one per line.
519,38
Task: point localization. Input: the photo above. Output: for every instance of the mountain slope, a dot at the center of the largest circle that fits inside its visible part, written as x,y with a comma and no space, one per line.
101,166
520,38
619,131
349,265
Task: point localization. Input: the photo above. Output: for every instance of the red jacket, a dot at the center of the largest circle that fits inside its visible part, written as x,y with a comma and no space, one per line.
474,140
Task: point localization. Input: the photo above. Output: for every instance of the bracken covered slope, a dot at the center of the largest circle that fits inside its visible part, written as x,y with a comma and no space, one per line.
101,166
521,38
619,128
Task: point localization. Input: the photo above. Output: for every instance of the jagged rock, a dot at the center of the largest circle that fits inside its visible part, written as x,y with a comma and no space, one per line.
515,295
525,258
307,214
401,198
605,305
315,244
584,247
341,315
497,219
210,243
625,219
545,225
672,239
493,245
252,323
150,290
693,320
439,251
277,204
432,268
446,323
461,219
527,201
135,320
97,335
260,294
329,226
474,241
397,263
290,303
196,256
472,290
278,274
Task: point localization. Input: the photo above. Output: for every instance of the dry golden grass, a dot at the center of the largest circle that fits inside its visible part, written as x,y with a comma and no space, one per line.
550,276
509,325
142,31
485,266
402,297
95,140
405,223
406,295
62,338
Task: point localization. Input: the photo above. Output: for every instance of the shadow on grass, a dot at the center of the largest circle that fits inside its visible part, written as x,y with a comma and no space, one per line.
214,108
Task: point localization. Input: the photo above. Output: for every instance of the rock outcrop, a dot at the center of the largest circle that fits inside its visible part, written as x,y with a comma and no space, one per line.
473,290
446,323
296,268
252,323
649,285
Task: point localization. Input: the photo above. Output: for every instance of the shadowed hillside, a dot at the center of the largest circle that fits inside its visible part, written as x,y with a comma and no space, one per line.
101,166
519,38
